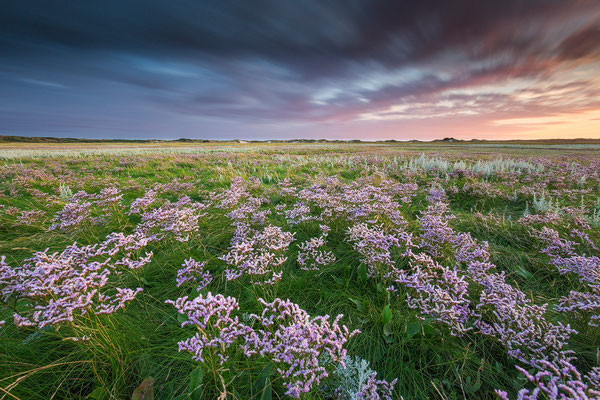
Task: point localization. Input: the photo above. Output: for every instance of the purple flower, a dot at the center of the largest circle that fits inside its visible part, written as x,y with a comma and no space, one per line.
438,292
193,271
296,342
61,286
554,382
259,255
217,328
311,256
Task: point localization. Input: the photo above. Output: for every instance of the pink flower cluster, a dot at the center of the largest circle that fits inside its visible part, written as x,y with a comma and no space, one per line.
79,207
230,198
193,271
558,382
438,292
283,334
259,256
217,328
587,269
141,204
59,286
376,389
311,255
296,342
72,215
178,219
374,244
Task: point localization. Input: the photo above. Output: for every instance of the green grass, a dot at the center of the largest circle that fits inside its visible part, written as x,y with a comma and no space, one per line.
141,340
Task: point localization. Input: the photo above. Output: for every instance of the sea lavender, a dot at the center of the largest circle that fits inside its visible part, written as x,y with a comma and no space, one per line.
179,219
229,198
217,328
72,215
437,291
519,325
587,269
295,342
193,271
311,255
60,286
142,203
259,256
559,382
375,245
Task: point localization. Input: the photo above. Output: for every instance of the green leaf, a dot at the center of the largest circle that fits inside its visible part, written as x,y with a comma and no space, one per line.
386,314
145,391
358,303
362,272
347,271
413,328
181,317
522,271
387,329
100,393
146,282
263,377
472,387
339,281
266,393
387,333
194,389
430,330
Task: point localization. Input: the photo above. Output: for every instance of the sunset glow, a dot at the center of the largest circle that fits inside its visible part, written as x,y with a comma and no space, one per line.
267,70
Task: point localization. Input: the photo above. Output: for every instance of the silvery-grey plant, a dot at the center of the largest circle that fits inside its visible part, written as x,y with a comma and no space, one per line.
65,192
543,204
355,380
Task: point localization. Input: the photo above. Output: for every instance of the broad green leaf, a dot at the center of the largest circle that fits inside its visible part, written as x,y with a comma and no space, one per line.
413,328
181,317
263,377
522,271
387,329
358,303
362,272
194,389
100,393
430,330
472,387
266,393
146,282
386,314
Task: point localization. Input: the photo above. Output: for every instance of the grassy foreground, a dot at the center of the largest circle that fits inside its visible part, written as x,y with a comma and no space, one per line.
505,196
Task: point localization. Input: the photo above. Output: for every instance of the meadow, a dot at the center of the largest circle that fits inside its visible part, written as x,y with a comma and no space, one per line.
312,271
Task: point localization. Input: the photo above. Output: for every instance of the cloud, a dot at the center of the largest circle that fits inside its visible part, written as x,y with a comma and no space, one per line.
282,65
583,44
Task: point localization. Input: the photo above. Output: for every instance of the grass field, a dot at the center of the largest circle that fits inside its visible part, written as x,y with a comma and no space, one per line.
205,271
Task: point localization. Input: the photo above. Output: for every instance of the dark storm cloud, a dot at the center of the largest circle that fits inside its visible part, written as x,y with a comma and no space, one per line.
306,35
582,44
151,61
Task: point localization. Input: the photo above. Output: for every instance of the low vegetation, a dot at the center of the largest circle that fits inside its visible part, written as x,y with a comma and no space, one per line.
313,271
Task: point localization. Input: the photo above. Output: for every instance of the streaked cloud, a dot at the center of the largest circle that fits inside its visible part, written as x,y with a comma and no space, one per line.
265,69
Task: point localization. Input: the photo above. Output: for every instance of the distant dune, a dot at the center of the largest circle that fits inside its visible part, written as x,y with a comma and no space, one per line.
50,139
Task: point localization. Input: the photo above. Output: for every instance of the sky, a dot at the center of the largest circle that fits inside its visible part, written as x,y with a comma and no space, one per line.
276,69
